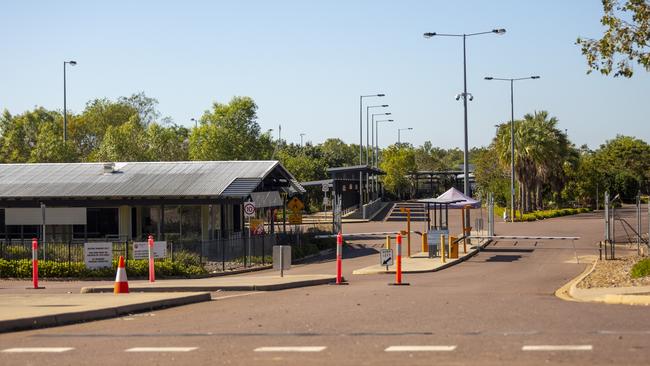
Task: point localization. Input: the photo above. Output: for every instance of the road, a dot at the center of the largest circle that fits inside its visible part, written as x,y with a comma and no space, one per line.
497,308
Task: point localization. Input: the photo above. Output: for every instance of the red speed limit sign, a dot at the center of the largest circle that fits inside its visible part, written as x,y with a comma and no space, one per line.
249,209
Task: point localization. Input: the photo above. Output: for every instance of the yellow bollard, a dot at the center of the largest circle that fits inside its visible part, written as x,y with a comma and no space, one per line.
387,241
442,248
425,248
453,247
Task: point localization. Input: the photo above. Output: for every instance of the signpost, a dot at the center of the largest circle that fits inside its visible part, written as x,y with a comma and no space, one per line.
98,255
141,249
249,209
386,258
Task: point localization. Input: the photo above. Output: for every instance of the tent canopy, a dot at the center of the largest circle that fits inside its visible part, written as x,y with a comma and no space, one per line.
460,200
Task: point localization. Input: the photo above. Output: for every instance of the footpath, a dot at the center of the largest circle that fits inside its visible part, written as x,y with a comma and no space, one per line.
24,309
420,262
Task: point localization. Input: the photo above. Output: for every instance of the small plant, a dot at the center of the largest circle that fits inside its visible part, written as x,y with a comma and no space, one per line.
641,268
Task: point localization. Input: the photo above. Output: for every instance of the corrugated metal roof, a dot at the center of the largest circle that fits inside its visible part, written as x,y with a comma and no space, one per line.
135,179
267,199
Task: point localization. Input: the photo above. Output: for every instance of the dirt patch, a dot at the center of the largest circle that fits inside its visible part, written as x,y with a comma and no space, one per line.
614,273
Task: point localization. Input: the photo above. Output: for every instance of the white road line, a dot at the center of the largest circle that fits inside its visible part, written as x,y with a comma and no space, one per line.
238,295
291,349
161,349
420,348
38,350
584,347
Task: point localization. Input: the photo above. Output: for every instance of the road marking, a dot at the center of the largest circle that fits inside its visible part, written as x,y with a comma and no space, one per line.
291,349
584,347
238,295
38,350
420,348
161,349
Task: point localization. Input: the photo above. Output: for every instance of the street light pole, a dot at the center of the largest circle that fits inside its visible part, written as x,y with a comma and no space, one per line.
376,158
65,113
301,135
368,128
399,130
361,142
465,151
512,138
373,132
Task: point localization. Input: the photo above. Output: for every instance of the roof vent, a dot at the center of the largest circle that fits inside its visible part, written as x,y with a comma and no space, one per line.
109,168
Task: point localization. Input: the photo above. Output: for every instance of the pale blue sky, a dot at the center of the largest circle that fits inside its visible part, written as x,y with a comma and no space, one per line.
306,62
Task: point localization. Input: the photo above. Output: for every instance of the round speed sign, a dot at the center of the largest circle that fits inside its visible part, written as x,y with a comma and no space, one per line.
249,209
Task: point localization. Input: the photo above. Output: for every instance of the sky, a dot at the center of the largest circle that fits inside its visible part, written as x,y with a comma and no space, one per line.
305,63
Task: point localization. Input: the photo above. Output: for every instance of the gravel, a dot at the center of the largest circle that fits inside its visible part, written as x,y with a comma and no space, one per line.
614,273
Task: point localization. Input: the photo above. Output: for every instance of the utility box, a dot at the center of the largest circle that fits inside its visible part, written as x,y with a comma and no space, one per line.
281,257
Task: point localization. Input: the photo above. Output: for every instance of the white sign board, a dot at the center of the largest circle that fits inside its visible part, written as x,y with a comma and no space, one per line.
281,257
141,249
249,209
326,187
98,255
386,257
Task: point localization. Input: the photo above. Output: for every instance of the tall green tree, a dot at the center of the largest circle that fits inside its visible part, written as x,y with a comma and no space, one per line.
230,132
398,161
626,39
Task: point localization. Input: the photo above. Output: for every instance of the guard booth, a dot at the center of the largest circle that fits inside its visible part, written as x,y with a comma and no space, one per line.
437,222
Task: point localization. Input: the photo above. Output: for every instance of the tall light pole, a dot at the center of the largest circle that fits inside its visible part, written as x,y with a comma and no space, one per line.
196,123
373,132
368,128
512,138
361,123
301,136
65,112
399,131
361,142
464,36
377,139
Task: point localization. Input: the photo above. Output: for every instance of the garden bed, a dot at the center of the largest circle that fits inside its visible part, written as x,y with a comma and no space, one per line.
616,273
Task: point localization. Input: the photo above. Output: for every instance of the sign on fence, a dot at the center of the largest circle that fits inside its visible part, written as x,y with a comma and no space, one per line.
98,255
141,249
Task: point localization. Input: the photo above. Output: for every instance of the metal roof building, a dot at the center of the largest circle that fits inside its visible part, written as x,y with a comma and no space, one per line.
184,200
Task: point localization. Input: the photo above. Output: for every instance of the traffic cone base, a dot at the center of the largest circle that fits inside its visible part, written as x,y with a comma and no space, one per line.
121,282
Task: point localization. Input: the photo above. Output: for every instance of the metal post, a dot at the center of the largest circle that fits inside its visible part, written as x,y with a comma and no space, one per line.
43,228
65,114
512,152
465,152
638,223
607,223
360,130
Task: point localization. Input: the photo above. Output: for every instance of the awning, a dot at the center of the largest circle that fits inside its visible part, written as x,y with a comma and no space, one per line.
267,199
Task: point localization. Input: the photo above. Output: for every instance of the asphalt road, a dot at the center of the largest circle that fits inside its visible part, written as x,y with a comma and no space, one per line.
497,308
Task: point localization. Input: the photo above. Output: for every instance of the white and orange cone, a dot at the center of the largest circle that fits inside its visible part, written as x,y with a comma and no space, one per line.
121,282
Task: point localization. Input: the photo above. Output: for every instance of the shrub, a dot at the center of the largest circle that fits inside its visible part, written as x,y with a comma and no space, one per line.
641,268
139,268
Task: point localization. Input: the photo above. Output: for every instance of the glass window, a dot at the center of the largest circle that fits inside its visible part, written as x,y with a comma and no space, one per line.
150,219
191,223
172,223
101,222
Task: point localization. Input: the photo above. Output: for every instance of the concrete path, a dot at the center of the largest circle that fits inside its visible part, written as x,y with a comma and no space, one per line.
37,310
234,283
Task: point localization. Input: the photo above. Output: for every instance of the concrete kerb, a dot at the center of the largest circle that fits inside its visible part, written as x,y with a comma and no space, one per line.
52,320
218,287
612,296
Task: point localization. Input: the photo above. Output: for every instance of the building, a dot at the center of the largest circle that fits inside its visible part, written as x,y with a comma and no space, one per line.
183,202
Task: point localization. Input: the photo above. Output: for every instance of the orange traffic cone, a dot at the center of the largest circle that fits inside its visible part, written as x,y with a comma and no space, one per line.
121,282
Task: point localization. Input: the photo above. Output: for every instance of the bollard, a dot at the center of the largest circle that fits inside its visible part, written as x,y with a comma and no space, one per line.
339,250
152,272
35,265
442,248
398,263
425,249
453,247
387,241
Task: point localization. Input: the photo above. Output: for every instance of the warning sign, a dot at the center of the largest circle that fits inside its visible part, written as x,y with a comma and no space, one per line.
386,257
295,204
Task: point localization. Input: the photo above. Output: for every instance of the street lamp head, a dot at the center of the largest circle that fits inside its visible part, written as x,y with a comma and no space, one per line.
488,78
381,95
499,31
388,113
391,120
72,62
471,97
458,96
410,128
429,34
384,105
534,77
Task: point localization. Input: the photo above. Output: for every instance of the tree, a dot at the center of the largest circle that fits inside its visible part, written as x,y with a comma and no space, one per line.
230,132
626,38
398,162
19,133
337,153
50,147
167,143
491,177
125,142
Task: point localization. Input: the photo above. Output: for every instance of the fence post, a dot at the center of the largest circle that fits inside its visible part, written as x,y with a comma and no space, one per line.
638,223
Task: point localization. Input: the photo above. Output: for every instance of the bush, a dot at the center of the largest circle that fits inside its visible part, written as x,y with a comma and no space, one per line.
543,214
641,268
138,268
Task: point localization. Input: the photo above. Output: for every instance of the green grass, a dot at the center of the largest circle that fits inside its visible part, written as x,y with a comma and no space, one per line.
641,268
